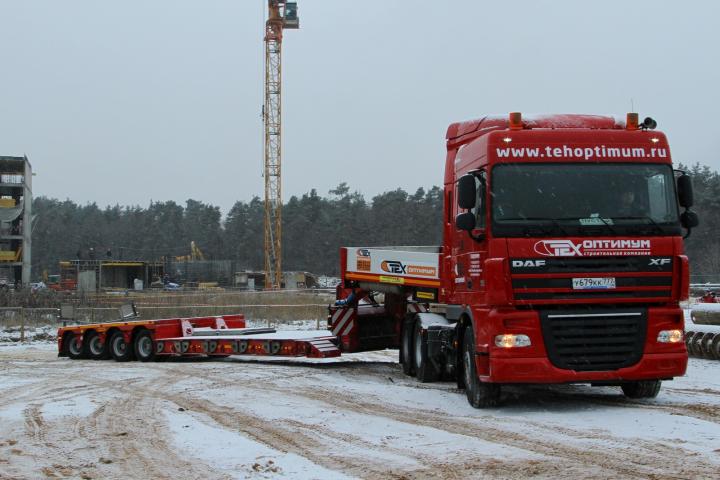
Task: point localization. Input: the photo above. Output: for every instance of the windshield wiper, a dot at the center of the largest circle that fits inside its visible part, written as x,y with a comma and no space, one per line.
657,226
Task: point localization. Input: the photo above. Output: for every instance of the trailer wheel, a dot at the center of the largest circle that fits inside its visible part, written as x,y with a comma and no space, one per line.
692,345
698,342
641,389
425,371
689,337
406,346
715,348
144,346
121,351
706,344
479,394
73,347
94,348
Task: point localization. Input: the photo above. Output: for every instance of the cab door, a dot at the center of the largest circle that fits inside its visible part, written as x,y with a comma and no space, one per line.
469,249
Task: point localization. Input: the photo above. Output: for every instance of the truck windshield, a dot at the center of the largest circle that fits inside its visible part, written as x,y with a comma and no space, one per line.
583,199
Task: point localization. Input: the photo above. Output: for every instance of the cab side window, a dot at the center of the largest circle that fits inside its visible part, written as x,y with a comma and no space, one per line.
480,208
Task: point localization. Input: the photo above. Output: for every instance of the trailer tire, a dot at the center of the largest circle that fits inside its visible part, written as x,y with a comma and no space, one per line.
689,337
693,348
699,342
641,389
425,371
406,346
715,348
706,345
479,394
94,348
73,347
120,350
144,346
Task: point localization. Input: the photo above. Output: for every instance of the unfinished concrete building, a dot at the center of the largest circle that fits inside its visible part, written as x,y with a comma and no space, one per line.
15,220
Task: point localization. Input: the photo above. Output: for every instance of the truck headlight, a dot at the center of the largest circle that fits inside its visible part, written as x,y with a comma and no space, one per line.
512,340
670,336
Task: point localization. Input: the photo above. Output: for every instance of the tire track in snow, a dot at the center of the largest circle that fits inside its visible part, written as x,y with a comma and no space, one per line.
647,461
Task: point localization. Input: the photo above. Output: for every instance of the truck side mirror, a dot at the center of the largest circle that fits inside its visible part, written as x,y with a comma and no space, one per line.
465,221
466,192
685,191
689,219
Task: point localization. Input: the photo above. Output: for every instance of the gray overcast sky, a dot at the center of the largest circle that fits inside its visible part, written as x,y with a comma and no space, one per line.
138,100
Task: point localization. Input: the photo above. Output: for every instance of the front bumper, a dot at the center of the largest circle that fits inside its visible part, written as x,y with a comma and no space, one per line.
540,370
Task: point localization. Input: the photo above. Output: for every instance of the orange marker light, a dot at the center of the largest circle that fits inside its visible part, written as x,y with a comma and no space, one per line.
632,121
516,121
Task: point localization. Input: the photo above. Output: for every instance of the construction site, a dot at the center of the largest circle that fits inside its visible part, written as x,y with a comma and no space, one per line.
560,325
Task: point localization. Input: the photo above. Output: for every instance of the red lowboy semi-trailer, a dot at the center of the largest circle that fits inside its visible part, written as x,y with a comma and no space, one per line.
219,336
562,262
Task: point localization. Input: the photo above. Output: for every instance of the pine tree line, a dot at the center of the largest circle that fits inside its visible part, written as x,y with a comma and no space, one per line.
314,228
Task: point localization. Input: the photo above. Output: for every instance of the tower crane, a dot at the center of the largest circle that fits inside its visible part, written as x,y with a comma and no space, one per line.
281,15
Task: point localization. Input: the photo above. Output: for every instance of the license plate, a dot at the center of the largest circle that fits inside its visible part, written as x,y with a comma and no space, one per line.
593,283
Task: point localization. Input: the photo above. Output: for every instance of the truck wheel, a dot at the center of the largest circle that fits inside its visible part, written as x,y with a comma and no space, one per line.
641,389
144,346
73,347
94,348
407,348
479,394
425,371
119,348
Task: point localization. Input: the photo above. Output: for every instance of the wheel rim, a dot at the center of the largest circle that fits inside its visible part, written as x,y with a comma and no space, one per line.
119,346
74,346
418,348
145,347
96,346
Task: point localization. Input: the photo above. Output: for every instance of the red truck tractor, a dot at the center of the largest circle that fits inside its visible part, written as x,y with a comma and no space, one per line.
562,262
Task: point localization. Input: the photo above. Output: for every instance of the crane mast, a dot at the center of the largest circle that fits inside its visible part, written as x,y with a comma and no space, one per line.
281,15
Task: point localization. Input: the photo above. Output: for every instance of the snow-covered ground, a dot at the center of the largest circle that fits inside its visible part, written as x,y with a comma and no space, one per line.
357,417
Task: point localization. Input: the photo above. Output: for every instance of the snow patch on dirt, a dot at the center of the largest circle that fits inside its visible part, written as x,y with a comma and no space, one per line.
196,435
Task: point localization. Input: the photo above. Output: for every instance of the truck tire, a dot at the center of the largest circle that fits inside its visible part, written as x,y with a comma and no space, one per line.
641,389
94,348
144,346
73,347
479,394
407,348
119,348
425,370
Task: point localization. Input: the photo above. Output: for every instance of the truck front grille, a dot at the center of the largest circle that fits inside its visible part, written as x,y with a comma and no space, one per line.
594,339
